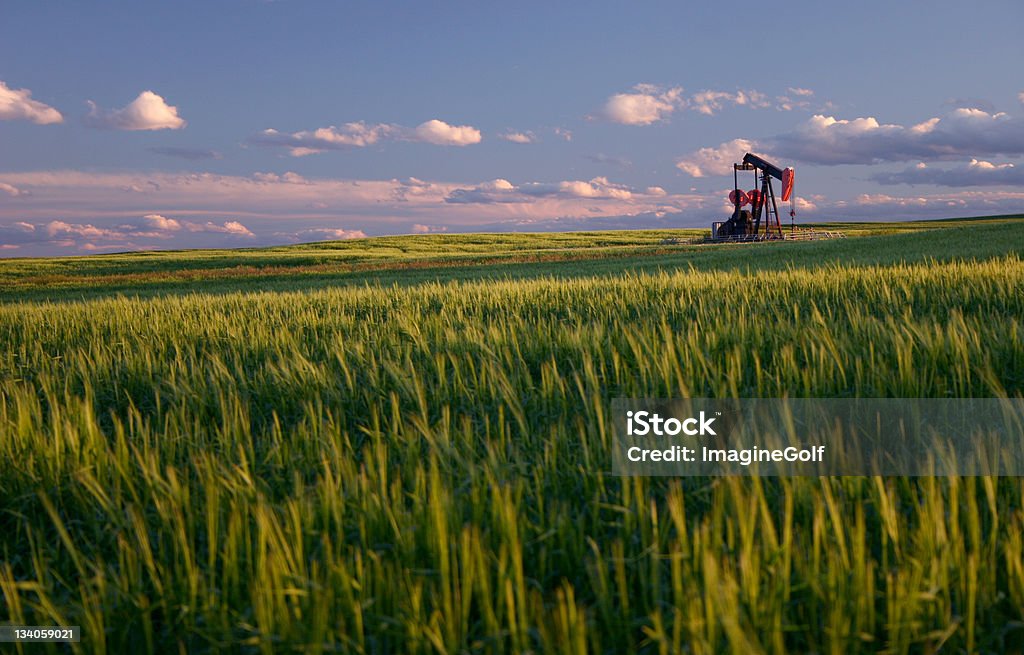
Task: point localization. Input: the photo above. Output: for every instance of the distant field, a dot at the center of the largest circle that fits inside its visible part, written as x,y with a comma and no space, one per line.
415,259
402,445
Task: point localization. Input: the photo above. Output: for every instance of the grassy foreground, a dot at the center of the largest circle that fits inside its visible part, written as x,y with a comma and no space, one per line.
422,466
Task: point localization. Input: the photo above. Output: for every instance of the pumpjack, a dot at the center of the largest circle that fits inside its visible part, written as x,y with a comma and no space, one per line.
747,225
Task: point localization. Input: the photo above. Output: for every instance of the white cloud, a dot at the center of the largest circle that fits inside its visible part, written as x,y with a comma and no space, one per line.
964,132
708,102
978,165
361,135
648,104
803,204
751,98
89,231
442,134
519,137
1020,96
413,189
599,187
495,191
323,234
158,222
349,135
151,226
352,134
715,161
711,102
303,151
286,178
148,111
796,98
785,103
17,104
420,228
565,134
227,227
885,199
502,191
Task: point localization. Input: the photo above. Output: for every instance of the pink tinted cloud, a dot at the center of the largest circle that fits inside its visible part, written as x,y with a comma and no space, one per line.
148,111
717,160
18,104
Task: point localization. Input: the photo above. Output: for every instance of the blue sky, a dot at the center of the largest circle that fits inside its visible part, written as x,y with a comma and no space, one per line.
241,122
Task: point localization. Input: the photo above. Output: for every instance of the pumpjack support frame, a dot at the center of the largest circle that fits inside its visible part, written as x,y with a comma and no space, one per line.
765,203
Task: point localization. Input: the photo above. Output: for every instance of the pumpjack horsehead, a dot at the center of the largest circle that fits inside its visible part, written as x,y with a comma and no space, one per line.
746,224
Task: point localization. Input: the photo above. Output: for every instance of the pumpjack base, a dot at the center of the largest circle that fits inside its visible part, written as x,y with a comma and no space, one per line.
798,235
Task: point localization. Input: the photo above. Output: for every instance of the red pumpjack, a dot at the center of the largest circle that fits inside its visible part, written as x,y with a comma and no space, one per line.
746,225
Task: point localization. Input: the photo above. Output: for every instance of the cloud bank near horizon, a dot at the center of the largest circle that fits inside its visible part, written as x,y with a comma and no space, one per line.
75,212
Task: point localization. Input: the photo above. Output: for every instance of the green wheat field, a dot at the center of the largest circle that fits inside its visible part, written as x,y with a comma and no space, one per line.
402,445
